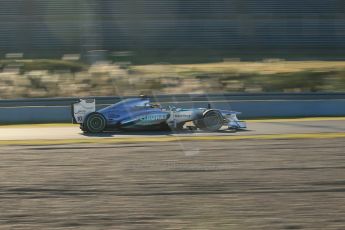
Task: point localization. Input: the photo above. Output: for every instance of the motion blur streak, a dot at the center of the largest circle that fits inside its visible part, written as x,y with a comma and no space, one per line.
245,184
173,139
260,129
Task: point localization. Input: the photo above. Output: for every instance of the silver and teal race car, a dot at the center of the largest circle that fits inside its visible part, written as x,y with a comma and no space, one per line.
141,114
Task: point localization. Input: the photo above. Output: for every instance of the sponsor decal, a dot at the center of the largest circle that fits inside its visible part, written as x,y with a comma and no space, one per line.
154,117
183,115
80,112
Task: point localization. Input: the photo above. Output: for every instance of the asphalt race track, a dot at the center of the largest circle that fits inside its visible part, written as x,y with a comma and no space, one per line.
280,174
257,128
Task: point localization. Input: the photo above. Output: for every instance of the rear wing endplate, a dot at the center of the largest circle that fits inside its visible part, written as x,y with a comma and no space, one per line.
81,109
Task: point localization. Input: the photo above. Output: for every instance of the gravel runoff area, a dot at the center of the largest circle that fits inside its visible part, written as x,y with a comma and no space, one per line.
247,184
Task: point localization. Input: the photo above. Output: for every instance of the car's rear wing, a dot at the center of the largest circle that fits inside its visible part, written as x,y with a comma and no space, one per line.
81,109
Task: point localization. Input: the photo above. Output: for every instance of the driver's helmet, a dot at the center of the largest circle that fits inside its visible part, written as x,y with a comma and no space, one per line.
155,105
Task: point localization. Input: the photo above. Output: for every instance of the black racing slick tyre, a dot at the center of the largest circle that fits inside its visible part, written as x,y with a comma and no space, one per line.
212,121
83,128
94,123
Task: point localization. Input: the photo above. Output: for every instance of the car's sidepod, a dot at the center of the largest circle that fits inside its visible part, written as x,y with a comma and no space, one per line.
134,113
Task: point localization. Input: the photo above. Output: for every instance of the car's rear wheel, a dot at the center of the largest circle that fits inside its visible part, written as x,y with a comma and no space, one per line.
83,128
94,123
212,121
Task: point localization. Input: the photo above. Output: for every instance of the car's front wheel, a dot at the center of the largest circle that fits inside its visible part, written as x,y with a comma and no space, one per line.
212,121
94,123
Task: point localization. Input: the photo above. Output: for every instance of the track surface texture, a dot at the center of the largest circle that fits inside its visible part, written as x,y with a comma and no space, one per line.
263,127
245,184
291,178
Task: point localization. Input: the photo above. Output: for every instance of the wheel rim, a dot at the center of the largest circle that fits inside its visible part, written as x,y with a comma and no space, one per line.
213,121
96,123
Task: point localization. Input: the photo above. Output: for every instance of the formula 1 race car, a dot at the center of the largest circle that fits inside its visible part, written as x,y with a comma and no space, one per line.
141,114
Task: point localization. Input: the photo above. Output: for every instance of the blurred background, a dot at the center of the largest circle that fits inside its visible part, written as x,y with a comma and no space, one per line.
129,47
